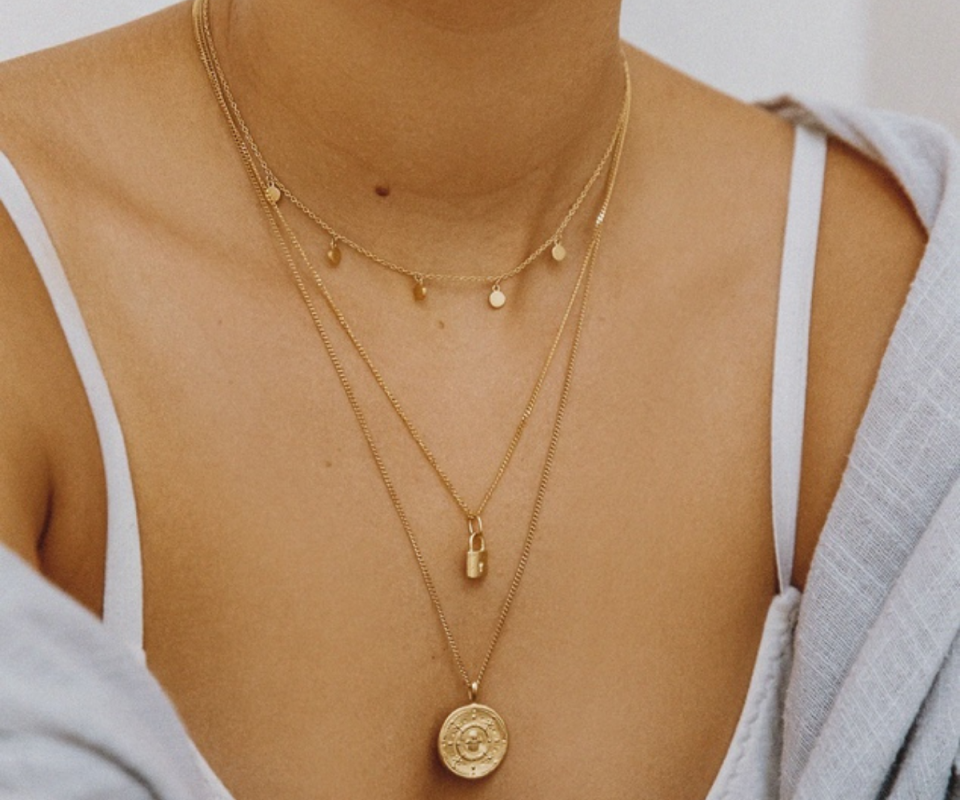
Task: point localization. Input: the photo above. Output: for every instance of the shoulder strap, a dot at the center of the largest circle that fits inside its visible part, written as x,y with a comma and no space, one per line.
123,581
792,341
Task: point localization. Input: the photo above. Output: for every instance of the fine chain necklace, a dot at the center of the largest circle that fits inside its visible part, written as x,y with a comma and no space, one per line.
476,555
275,189
472,741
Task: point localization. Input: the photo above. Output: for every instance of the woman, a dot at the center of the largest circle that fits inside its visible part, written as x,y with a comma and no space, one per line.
649,647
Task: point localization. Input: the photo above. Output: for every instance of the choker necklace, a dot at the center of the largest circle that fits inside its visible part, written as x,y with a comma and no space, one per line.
275,191
472,742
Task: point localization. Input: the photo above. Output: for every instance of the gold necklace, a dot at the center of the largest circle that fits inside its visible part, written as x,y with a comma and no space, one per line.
275,189
476,556
472,741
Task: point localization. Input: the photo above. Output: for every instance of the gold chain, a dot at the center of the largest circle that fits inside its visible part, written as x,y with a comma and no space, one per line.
272,213
418,276
469,512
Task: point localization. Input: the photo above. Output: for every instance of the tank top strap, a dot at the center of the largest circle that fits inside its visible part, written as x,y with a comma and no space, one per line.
123,579
791,347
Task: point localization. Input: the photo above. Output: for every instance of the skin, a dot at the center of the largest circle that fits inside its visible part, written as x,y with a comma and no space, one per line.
284,613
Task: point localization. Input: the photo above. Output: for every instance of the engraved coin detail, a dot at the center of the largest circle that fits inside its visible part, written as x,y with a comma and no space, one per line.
472,741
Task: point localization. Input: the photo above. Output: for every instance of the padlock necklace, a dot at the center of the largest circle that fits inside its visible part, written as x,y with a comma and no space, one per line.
472,741
476,563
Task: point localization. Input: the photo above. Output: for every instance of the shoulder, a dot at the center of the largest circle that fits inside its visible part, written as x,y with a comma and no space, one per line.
869,223
871,243
67,128
108,134
87,121
745,149
871,246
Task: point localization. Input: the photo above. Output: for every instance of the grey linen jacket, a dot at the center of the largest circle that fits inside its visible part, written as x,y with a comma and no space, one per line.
873,701
872,708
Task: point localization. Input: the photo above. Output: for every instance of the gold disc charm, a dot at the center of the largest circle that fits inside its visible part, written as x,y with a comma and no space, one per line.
559,252
497,297
272,193
333,254
419,289
473,741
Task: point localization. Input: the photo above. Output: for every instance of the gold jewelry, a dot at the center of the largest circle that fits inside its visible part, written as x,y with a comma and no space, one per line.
473,740
275,189
476,555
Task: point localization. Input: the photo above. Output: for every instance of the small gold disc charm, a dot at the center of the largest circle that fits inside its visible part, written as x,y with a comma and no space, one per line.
473,741
497,297
272,193
419,290
334,254
559,252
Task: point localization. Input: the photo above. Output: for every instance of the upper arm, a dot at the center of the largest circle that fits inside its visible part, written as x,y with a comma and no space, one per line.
25,475
52,490
871,243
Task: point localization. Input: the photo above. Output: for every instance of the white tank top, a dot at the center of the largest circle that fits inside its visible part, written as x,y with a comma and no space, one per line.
751,767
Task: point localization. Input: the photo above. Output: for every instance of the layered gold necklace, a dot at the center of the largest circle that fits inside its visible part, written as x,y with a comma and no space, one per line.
472,741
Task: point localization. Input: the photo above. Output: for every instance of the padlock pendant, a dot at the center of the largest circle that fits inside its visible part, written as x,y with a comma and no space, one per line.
476,557
476,563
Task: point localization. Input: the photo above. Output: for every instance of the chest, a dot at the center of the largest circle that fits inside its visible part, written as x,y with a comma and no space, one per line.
285,613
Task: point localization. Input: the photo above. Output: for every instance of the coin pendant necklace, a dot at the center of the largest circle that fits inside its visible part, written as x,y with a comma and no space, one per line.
473,740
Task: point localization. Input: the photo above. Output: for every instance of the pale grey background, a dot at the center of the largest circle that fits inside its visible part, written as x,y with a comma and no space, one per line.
902,54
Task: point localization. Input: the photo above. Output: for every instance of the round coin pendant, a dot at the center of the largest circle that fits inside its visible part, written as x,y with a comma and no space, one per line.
559,252
473,741
273,194
497,297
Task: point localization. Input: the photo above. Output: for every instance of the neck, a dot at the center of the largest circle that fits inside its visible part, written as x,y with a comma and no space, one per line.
410,121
